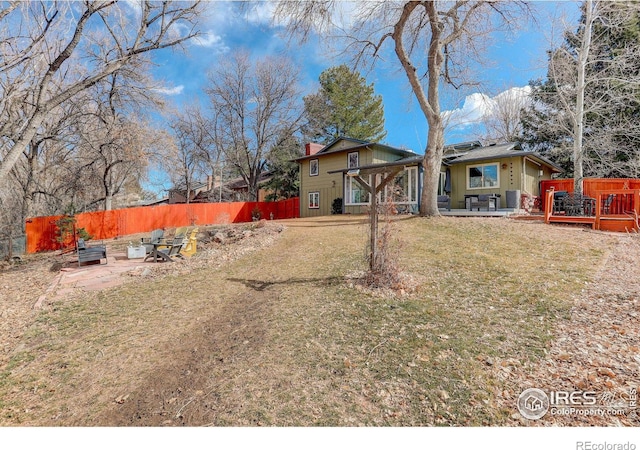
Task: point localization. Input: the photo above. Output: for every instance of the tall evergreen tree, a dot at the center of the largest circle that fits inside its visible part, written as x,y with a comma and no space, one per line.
345,105
285,180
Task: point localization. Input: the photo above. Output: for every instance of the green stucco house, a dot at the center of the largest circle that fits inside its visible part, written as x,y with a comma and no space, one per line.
323,175
468,169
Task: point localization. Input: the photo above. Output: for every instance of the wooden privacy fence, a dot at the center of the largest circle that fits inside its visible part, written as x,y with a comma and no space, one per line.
590,186
41,231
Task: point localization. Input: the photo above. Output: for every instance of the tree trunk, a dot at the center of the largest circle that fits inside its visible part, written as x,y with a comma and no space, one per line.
578,131
432,163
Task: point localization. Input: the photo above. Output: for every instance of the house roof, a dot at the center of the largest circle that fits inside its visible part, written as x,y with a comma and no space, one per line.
496,151
240,183
182,186
330,149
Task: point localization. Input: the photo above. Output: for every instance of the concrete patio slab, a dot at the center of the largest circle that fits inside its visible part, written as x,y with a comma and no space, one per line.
92,277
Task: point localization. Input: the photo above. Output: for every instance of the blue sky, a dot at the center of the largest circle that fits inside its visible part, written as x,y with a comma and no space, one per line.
510,63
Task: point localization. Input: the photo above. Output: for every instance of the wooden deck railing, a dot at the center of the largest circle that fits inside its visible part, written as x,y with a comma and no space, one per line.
615,210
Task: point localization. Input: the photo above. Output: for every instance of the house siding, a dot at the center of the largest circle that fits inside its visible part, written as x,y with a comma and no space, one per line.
518,174
331,186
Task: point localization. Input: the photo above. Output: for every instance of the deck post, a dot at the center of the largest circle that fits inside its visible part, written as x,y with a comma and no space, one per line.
548,204
636,208
598,209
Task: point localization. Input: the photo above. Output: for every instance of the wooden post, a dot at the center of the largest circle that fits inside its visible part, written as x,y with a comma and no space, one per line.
596,224
374,228
373,190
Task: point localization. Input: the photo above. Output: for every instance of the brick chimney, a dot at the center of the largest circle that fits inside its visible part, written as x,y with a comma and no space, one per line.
312,148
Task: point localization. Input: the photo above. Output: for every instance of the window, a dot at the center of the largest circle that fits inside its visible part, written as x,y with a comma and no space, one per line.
314,200
354,193
314,168
404,188
352,160
483,176
441,183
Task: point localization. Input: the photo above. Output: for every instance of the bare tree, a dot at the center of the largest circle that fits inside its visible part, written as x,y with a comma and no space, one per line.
113,143
431,40
502,120
194,150
44,42
586,112
255,106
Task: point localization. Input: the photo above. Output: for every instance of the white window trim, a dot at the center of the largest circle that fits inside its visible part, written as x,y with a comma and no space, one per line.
317,202
441,182
349,180
410,183
349,166
469,188
311,174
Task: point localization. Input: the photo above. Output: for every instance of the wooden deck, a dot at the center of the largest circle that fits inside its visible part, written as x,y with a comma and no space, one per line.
573,219
619,214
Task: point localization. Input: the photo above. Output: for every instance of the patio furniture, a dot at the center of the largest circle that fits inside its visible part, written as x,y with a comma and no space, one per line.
578,205
166,251
489,201
91,254
189,247
444,201
156,236
606,206
558,201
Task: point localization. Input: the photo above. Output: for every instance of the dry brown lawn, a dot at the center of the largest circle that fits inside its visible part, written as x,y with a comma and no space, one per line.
275,330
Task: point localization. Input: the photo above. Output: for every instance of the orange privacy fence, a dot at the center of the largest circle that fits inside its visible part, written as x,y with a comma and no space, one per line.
590,186
41,231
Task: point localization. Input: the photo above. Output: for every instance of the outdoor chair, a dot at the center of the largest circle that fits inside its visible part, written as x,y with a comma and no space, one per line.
444,201
482,201
606,206
156,236
578,205
189,247
167,252
91,254
558,201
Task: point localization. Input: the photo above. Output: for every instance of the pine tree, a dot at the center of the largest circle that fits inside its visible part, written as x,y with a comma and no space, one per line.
285,180
345,105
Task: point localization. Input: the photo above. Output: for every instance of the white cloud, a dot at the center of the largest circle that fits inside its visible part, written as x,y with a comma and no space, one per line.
261,13
177,90
210,40
477,106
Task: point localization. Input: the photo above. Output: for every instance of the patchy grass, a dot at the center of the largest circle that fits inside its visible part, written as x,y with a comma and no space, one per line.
282,336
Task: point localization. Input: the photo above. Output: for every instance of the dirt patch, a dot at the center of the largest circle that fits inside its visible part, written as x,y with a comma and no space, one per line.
187,389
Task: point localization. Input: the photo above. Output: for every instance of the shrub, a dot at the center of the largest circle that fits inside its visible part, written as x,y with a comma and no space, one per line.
336,206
